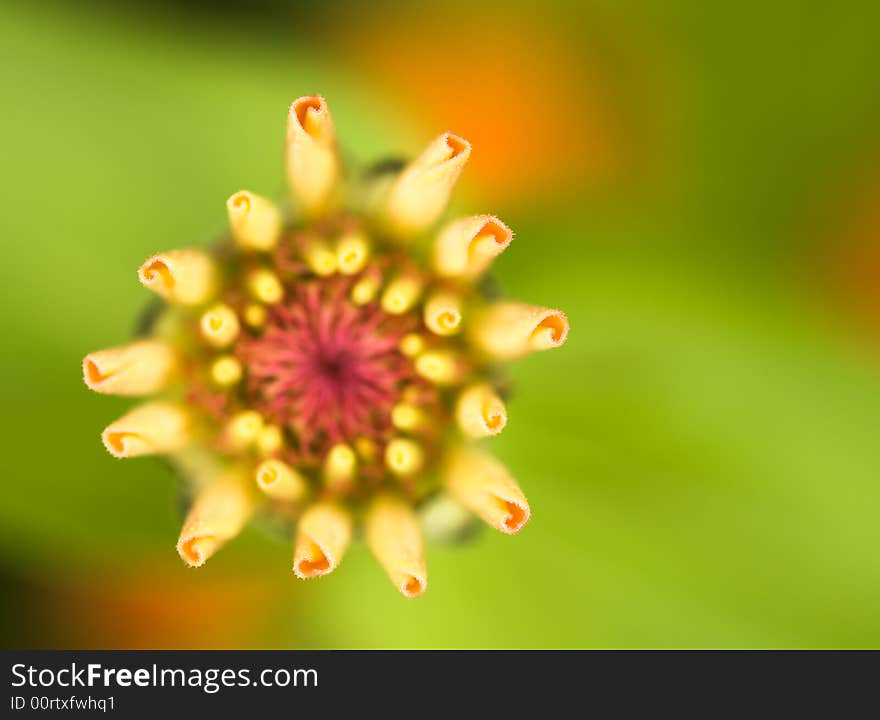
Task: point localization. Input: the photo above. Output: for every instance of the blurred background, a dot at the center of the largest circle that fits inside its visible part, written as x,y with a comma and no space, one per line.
697,186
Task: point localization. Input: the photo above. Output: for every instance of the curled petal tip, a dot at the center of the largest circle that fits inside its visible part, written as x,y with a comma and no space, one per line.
395,539
507,330
466,247
483,485
421,192
480,412
322,538
147,430
195,550
312,161
255,222
188,277
218,514
280,481
139,368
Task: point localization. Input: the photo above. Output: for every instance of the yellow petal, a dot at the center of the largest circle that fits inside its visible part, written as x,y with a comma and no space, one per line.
507,330
480,412
218,514
404,457
421,192
188,277
312,161
466,247
280,481
483,485
323,536
395,539
442,313
139,368
151,428
255,222
219,325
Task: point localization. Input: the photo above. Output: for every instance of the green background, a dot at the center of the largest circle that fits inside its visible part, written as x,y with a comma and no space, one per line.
701,458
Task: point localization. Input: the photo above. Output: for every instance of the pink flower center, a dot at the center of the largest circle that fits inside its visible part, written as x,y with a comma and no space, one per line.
327,369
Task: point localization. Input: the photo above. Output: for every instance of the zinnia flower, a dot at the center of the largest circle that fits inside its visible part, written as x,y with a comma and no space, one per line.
333,367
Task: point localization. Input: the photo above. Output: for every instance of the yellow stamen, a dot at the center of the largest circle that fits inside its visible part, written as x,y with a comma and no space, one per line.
312,160
483,485
255,222
280,481
323,536
219,325
393,536
152,428
422,190
508,329
265,286
480,412
139,368
466,247
412,344
401,294
188,277
443,313
243,428
352,253
226,371
218,514
441,367
340,466
404,457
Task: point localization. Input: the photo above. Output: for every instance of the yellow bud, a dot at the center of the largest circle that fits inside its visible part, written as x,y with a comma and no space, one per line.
407,417
255,222
243,429
404,457
401,294
364,290
441,367
443,313
412,344
219,325
320,258
340,466
226,371
280,481
270,439
265,286
352,253
255,315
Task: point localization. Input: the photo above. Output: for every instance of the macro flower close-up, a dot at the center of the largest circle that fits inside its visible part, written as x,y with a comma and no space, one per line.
334,365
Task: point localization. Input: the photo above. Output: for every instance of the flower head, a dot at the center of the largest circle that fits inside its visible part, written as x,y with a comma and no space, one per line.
334,366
